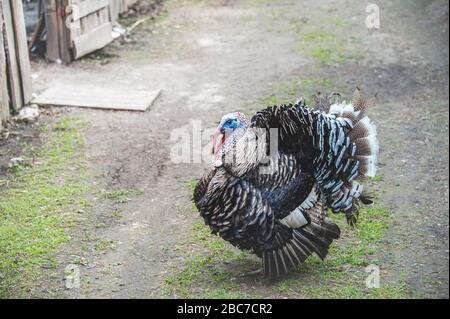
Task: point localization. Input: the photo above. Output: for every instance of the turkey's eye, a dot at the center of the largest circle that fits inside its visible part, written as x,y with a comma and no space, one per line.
230,124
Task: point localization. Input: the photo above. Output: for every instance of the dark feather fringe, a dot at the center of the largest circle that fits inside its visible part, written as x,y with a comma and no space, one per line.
295,250
363,147
358,131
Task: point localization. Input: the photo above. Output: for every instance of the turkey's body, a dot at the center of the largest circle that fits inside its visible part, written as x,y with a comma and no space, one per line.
280,215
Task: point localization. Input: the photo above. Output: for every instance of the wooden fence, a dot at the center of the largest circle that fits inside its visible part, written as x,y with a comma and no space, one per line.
15,79
78,27
74,28
117,7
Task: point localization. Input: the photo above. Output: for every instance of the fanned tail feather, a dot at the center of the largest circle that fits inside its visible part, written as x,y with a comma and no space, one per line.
294,246
363,133
327,229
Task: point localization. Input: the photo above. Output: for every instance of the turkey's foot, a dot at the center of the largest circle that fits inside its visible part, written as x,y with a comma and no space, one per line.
253,273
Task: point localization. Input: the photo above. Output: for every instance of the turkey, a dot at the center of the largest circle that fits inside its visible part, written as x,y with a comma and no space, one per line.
275,203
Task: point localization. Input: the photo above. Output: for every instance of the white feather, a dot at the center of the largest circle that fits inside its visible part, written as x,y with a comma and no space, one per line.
373,143
295,219
339,109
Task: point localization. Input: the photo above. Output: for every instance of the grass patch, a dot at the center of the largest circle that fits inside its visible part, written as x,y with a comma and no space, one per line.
329,55
342,274
339,22
326,47
191,184
273,99
212,267
291,91
205,273
318,36
121,196
103,244
377,178
38,206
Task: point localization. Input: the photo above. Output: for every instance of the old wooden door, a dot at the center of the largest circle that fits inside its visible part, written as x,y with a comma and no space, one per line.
90,26
76,28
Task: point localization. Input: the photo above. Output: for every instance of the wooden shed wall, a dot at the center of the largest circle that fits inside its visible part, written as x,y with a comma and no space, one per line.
89,28
15,77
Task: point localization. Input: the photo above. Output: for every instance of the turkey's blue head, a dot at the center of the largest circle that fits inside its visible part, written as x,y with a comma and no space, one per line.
231,128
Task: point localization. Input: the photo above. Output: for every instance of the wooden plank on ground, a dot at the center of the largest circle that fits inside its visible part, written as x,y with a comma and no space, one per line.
93,40
4,100
90,96
11,54
23,58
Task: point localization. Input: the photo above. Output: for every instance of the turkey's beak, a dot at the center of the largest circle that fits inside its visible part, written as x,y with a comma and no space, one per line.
217,141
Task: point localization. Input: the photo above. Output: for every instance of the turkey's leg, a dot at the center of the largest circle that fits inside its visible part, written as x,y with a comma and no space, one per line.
253,273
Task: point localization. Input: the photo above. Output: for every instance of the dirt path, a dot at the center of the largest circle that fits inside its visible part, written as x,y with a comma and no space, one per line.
236,55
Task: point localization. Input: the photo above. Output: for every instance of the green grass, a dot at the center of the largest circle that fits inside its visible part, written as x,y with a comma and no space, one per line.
273,99
377,178
330,55
290,91
212,267
38,205
342,274
102,244
206,268
116,213
191,184
318,36
339,22
350,290
121,196
325,45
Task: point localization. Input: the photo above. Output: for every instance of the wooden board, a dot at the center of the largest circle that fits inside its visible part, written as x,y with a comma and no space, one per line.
114,10
85,8
90,96
4,101
51,23
63,33
12,64
91,29
15,69
21,45
93,40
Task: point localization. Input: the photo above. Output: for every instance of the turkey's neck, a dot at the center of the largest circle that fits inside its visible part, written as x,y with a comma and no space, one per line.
248,152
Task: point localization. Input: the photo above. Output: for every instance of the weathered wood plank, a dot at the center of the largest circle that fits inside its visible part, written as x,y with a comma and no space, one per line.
93,40
103,16
63,33
92,96
75,26
51,22
114,10
14,82
37,33
85,8
23,58
4,100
